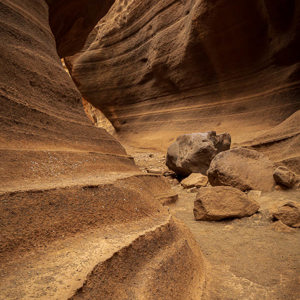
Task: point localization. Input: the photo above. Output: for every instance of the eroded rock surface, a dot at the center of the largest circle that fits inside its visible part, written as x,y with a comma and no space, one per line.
242,168
66,187
218,203
192,153
168,67
284,176
289,214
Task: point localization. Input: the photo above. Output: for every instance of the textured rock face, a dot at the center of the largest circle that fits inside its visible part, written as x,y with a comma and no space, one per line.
192,153
184,66
285,177
223,202
242,168
66,185
288,214
41,110
72,20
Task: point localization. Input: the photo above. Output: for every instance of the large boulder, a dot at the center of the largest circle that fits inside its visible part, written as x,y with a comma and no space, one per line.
242,168
223,202
192,153
288,214
283,176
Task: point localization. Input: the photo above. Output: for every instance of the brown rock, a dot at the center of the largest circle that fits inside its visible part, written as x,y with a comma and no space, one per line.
285,177
168,198
242,168
154,171
194,180
218,203
168,72
280,227
192,153
289,214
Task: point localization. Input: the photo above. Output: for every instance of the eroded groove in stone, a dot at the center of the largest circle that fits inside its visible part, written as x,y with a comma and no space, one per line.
189,66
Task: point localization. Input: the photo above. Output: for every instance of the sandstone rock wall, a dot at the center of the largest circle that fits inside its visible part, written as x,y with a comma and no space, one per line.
193,65
43,127
70,196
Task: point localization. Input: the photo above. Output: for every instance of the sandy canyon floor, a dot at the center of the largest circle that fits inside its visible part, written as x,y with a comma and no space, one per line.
248,258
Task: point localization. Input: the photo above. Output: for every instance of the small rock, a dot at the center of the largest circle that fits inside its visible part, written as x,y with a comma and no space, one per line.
195,180
280,227
222,202
278,187
151,155
167,199
283,176
169,173
242,168
193,190
254,195
289,214
154,171
192,153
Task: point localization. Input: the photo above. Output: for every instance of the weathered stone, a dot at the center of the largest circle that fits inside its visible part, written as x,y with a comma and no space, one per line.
254,195
154,171
218,203
242,168
168,198
194,180
280,227
289,214
192,153
284,176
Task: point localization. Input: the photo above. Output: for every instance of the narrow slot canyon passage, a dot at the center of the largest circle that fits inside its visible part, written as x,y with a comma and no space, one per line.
149,149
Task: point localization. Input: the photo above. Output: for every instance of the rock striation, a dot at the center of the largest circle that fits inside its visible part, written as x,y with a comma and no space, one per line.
168,67
66,187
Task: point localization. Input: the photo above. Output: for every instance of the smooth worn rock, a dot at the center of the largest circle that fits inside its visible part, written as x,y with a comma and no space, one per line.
254,195
154,171
218,203
284,176
167,67
280,227
289,214
167,198
195,180
192,153
242,168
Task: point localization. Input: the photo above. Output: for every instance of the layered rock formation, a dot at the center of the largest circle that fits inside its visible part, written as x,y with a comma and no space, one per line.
160,68
66,187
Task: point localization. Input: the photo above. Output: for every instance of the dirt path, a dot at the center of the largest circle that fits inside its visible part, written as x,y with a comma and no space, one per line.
248,258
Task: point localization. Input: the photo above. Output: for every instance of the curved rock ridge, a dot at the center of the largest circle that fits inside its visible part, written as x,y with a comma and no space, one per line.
281,143
44,133
150,268
184,66
70,196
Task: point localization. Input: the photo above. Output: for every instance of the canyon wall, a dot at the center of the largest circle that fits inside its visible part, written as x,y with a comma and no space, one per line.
160,68
70,196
